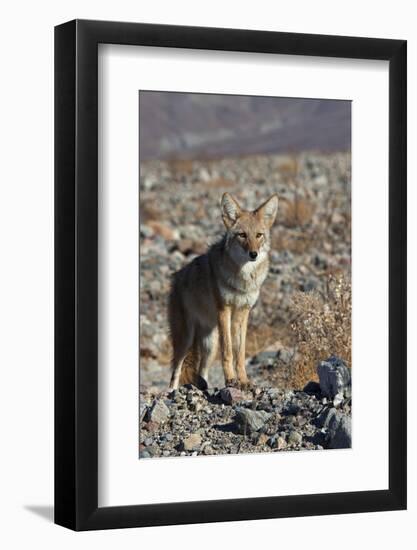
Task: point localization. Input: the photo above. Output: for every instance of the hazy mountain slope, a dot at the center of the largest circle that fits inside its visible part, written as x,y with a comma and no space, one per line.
203,125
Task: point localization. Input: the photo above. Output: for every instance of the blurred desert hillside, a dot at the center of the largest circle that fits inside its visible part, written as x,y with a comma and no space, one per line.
182,125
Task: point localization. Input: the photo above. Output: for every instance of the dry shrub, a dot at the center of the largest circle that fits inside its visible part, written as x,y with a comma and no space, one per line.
297,243
165,352
179,167
146,353
162,229
298,212
163,355
322,327
288,167
148,211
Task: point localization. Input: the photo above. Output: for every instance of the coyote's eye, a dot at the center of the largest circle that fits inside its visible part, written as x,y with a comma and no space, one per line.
242,235
259,235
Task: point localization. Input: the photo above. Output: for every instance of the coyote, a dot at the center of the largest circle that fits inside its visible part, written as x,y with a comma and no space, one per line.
211,297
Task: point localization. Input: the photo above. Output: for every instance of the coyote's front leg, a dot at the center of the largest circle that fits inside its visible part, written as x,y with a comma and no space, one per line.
239,329
225,334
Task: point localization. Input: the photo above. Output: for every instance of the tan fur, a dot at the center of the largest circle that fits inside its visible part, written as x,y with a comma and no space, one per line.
239,328
189,369
211,297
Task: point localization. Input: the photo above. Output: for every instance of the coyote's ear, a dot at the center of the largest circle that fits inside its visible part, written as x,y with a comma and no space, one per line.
268,210
230,210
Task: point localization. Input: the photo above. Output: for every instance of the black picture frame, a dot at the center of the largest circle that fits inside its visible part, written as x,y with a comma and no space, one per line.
76,272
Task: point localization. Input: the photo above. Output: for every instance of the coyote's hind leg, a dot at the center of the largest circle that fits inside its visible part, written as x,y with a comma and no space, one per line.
208,344
181,343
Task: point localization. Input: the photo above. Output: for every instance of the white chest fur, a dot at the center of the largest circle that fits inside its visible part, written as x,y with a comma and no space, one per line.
241,289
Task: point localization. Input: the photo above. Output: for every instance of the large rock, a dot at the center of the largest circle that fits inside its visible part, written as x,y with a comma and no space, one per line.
285,355
340,432
295,438
158,413
231,395
249,421
192,442
335,378
267,357
325,417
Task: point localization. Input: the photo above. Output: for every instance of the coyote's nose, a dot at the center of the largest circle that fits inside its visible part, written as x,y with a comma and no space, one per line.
253,255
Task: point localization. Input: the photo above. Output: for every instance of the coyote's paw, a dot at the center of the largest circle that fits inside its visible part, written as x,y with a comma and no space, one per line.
248,385
232,383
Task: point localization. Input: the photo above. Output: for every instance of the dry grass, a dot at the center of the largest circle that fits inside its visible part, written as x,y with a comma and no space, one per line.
218,183
289,168
163,356
294,241
298,212
322,327
165,352
260,338
148,211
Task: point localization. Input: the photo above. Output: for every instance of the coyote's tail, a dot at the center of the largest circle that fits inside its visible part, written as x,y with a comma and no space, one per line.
189,371
179,331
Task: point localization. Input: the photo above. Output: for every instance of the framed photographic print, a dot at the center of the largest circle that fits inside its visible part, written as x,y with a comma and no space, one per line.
230,252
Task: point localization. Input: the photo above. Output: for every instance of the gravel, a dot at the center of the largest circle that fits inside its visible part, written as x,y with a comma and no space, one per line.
263,419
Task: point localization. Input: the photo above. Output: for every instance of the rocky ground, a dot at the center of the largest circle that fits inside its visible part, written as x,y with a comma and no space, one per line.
180,217
190,422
